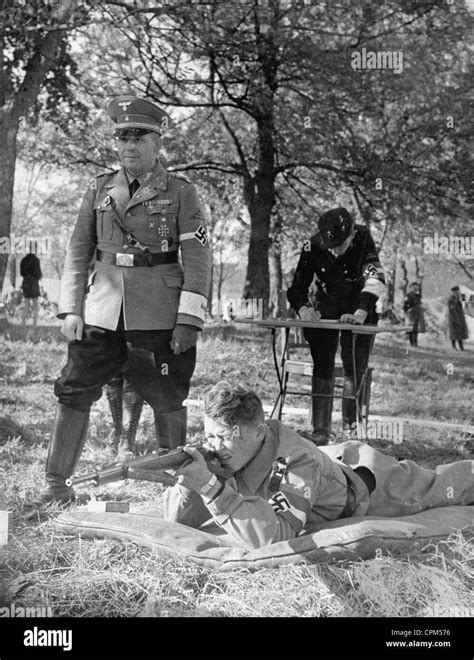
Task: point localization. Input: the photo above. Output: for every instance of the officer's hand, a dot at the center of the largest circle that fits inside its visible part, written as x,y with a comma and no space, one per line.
308,314
195,473
72,327
183,338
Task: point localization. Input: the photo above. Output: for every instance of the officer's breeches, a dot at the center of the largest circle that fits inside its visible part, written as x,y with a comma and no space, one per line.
403,487
323,345
145,357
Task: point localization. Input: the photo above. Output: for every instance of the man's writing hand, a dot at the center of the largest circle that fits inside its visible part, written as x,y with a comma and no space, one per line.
72,327
308,314
183,338
358,317
193,474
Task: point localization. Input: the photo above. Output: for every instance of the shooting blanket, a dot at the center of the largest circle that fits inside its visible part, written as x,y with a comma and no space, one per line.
350,538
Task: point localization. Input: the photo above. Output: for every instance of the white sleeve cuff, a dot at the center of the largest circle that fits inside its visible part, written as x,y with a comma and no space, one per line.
374,286
192,304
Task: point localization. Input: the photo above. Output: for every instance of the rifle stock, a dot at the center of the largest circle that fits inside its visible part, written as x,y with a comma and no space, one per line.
152,464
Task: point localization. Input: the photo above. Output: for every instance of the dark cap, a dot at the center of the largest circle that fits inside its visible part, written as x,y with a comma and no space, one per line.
335,226
129,111
455,288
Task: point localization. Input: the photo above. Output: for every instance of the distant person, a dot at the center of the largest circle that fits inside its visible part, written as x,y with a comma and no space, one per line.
457,321
413,309
30,271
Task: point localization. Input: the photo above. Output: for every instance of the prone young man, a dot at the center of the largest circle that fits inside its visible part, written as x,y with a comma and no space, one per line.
283,485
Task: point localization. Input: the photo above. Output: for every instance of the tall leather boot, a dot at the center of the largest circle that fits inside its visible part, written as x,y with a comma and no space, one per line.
171,429
132,405
114,391
349,408
65,449
322,412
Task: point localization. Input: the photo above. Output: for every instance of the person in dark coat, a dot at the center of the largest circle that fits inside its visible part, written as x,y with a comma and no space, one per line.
344,260
457,321
413,309
30,271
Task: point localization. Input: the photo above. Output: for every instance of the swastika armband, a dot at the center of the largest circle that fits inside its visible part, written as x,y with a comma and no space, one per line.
192,304
283,507
279,502
370,271
200,235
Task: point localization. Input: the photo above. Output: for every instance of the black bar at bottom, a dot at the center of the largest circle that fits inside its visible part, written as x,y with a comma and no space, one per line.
221,637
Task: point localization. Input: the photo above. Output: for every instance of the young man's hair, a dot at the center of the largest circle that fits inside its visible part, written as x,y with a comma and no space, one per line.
233,404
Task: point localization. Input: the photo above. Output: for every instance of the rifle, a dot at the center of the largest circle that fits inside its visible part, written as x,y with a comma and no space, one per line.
150,468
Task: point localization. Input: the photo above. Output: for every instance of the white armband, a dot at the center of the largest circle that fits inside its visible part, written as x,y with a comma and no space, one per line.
374,286
192,304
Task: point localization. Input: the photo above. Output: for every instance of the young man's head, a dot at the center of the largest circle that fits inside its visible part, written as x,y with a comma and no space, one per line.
415,287
234,424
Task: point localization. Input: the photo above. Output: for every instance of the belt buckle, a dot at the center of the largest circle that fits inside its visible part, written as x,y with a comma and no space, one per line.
123,259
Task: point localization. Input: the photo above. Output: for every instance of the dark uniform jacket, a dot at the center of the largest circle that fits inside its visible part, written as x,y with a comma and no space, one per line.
165,214
355,280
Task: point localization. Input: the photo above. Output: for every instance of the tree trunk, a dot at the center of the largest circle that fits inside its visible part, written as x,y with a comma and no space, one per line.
11,271
15,104
404,282
419,273
8,134
390,273
259,194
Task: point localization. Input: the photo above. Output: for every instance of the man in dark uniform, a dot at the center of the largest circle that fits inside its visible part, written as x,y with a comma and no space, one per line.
349,279
140,308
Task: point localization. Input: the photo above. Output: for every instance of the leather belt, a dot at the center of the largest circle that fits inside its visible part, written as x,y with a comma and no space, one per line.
350,506
131,260
368,478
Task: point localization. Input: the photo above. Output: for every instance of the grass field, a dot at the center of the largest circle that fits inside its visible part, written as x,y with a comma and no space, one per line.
74,577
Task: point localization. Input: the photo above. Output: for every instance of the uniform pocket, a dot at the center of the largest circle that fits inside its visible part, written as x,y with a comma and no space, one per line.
104,222
173,281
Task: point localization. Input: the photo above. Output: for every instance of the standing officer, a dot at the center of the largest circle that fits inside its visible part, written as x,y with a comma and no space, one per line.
349,279
140,308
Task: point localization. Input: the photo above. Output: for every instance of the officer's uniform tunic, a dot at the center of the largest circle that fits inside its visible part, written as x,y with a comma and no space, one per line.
130,311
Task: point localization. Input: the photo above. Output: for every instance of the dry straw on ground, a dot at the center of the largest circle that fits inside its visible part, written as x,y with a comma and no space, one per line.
87,578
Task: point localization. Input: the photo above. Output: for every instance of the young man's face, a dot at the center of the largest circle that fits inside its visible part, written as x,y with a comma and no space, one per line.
138,153
340,249
234,445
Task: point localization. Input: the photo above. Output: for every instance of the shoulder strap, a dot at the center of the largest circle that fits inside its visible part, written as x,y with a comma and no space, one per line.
134,242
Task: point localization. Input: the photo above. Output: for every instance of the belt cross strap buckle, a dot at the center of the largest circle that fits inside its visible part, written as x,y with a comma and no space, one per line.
122,259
